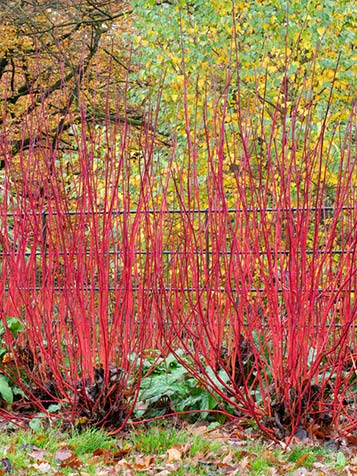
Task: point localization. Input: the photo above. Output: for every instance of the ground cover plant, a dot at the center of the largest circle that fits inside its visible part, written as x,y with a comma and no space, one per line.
184,244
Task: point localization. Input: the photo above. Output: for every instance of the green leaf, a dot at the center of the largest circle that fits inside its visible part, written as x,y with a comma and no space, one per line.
340,459
220,380
213,425
5,389
36,424
53,408
17,391
15,325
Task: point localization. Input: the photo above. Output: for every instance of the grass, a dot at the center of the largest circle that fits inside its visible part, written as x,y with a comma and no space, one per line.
159,440
192,450
156,440
30,452
309,456
90,441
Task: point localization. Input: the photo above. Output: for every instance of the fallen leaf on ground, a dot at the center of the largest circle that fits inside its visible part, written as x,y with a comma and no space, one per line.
38,455
199,430
104,472
142,463
42,468
123,464
63,454
351,470
122,452
100,452
71,462
226,462
173,454
244,462
168,468
301,460
197,458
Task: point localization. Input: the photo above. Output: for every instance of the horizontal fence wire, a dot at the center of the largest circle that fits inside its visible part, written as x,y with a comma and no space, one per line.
180,211
186,253
207,253
174,289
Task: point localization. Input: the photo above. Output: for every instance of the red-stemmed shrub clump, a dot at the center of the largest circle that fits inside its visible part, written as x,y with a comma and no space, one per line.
265,277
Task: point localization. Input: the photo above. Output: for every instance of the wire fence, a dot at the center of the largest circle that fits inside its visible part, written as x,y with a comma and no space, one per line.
205,252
